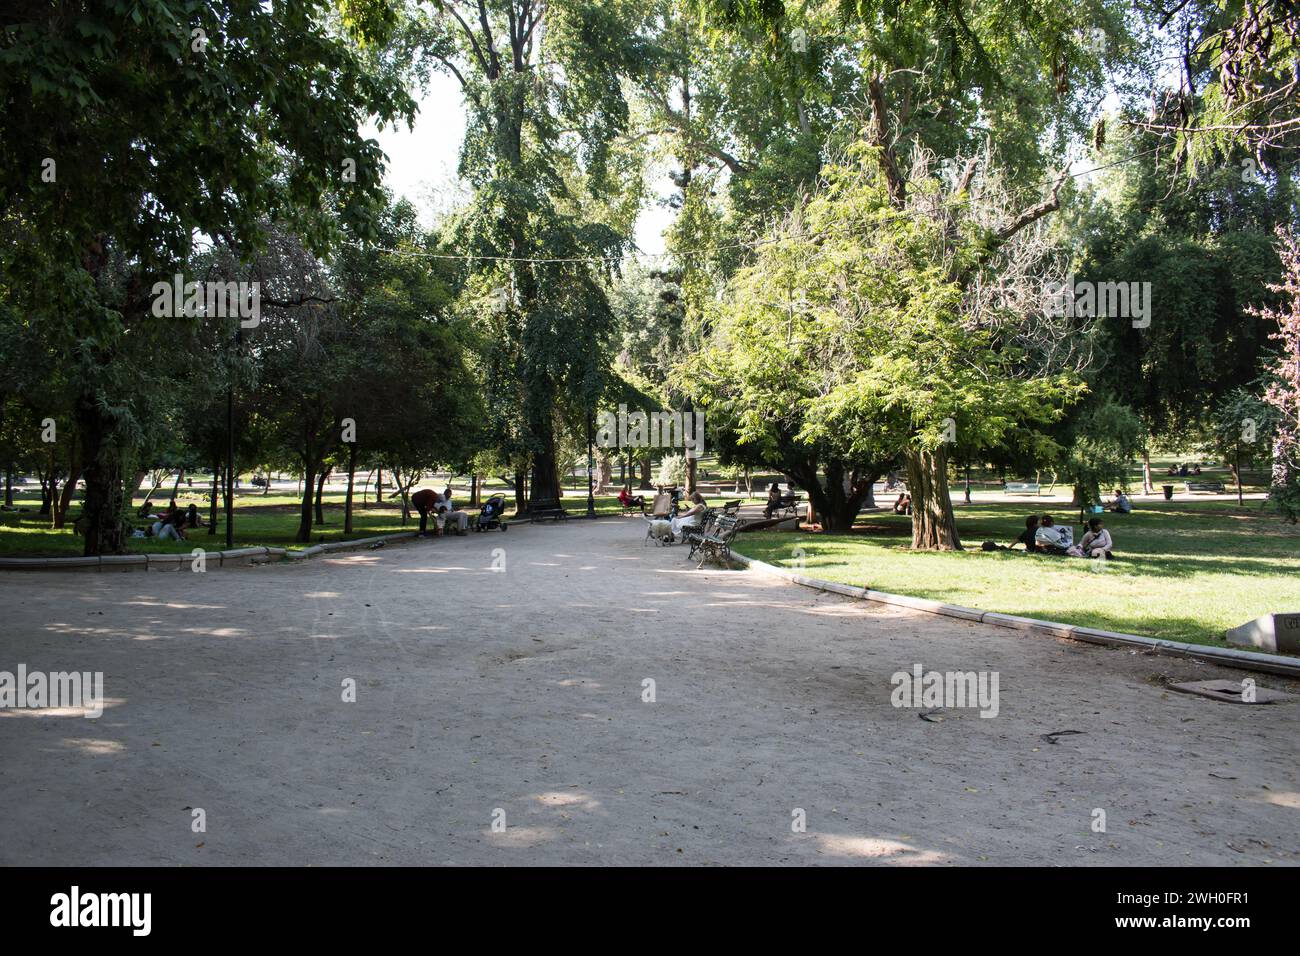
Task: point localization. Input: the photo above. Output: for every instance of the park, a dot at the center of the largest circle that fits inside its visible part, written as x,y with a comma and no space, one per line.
611,434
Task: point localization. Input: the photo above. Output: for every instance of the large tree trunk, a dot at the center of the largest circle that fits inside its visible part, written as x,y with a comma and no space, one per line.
520,504
934,527
545,484
9,485
212,509
835,507
352,474
320,491
646,465
102,507
1146,470
305,512
65,499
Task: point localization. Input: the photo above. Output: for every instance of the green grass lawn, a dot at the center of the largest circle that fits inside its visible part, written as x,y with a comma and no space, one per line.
1184,571
270,520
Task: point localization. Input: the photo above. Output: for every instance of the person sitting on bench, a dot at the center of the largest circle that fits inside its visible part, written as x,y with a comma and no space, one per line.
773,500
1048,536
426,501
446,511
628,500
691,516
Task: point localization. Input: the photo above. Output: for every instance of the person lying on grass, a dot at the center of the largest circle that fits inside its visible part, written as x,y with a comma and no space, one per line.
1096,541
1048,536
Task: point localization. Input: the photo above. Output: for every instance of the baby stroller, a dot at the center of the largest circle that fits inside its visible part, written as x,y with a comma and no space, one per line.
490,516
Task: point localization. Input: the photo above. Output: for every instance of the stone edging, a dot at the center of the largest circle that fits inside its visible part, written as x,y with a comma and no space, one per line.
237,557
1228,657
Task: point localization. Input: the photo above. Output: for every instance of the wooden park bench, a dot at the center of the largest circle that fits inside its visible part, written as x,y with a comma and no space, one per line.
731,508
547,508
788,506
717,543
1022,488
1212,487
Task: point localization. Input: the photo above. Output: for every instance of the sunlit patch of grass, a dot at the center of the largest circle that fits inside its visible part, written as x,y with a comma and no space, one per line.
1183,571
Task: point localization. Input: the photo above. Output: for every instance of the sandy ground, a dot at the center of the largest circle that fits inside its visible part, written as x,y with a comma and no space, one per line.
518,694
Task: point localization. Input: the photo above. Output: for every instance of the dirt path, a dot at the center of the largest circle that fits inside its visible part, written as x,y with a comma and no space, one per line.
521,691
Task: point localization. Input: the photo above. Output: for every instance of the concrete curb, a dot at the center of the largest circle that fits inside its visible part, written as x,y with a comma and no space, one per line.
236,557
1227,657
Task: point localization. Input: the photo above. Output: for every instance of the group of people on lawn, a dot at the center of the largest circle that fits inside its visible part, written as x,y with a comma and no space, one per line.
1043,536
443,508
171,523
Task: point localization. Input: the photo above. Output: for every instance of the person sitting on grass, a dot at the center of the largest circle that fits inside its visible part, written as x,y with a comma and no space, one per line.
166,528
1096,541
903,506
629,500
1121,504
1027,537
1048,536
192,519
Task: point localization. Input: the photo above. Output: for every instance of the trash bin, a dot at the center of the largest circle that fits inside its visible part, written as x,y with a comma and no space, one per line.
1169,492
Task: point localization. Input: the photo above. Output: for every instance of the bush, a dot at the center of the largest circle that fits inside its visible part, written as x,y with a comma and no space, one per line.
672,470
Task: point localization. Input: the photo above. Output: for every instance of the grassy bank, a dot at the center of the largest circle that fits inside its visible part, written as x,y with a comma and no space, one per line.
1185,571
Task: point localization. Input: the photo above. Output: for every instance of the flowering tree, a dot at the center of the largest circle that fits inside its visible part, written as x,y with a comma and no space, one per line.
1283,392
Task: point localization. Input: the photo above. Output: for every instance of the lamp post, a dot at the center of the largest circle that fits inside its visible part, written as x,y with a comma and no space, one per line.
230,445
591,501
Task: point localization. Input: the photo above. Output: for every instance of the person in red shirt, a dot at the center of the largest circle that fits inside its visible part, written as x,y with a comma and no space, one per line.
628,500
426,501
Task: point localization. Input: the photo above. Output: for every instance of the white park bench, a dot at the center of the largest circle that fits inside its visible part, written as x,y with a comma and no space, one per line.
1022,488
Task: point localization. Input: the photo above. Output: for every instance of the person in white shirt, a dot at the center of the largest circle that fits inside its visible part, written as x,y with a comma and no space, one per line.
447,512
1096,541
1048,537
689,518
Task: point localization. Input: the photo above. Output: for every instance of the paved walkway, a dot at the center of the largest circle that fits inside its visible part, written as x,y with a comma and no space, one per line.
519,694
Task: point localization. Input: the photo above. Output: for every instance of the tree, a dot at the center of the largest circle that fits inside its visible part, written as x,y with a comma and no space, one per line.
132,128
542,85
860,334
1283,392
959,78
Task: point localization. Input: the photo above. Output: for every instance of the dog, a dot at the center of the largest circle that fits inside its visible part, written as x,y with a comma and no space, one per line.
660,529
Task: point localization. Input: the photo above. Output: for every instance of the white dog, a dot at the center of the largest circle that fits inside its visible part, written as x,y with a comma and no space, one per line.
660,529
